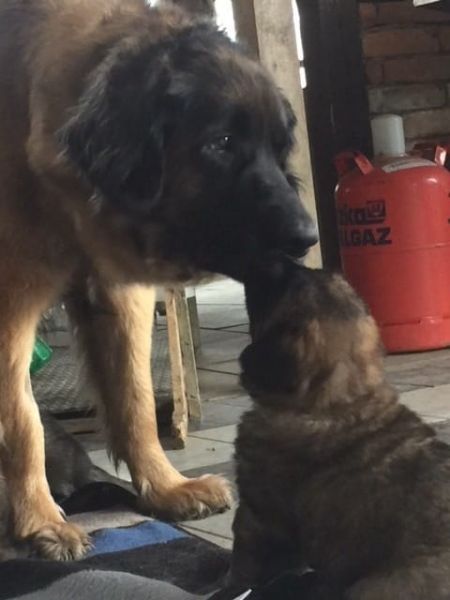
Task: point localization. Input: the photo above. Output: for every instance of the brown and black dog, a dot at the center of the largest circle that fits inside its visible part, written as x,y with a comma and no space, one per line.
137,146
333,472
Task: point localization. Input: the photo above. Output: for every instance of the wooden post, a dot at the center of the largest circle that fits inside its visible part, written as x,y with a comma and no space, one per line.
180,408
244,19
267,27
195,323
202,7
187,351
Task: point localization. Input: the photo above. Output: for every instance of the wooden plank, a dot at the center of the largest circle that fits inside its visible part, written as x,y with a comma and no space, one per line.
203,7
276,45
180,407
188,356
195,322
244,19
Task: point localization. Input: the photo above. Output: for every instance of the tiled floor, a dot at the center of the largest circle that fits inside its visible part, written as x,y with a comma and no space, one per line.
422,378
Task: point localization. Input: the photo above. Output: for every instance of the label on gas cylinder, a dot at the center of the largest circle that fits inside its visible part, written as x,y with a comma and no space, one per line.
380,236
402,165
363,225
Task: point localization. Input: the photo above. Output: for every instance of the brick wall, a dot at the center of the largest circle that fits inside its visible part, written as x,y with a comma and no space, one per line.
407,57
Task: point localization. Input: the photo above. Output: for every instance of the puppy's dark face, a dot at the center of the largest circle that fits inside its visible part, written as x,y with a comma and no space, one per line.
310,332
189,140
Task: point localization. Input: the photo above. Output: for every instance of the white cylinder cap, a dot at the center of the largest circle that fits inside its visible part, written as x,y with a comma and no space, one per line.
388,135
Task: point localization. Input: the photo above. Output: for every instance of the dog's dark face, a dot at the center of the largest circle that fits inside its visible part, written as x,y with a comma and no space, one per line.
309,330
189,141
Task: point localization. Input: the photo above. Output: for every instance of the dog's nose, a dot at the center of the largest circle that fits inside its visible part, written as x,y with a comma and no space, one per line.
298,241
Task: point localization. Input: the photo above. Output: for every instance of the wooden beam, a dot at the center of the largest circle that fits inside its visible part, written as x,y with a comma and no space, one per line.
180,406
244,19
267,27
202,7
187,351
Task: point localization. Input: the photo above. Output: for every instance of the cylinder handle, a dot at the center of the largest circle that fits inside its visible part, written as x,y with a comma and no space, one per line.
346,161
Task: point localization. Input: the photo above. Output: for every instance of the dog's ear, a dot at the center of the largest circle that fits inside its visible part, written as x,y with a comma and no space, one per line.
268,367
116,133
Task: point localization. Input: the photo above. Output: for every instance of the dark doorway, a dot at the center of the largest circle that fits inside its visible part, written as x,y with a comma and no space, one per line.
336,100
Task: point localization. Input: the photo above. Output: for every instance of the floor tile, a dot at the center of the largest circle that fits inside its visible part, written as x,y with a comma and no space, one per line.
217,316
208,336
216,385
400,362
431,374
220,434
406,387
219,414
218,347
432,401
226,291
242,400
232,367
242,328
434,368
226,469
224,542
198,453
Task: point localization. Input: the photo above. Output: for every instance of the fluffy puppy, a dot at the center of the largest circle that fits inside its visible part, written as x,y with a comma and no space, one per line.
333,472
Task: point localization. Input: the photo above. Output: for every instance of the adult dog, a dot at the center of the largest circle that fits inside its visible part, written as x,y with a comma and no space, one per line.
333,472
137,146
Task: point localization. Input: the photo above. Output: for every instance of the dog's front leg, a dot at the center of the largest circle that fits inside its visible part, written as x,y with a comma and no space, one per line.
35,515
115,326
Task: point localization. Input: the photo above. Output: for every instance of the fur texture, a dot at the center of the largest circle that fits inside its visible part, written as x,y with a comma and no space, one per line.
333,473
137,146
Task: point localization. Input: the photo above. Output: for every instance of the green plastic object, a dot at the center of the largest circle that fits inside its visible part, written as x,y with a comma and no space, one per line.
42,353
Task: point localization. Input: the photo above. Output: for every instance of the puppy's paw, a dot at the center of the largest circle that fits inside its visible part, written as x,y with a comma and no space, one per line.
190,499
60,541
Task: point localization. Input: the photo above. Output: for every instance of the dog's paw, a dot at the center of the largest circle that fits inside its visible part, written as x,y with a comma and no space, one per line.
190,499
60,541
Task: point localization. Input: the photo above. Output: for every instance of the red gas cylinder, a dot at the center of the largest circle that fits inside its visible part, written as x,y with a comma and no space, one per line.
394,231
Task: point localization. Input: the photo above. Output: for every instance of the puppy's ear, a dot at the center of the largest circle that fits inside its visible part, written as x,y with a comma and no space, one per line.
117,131
267,367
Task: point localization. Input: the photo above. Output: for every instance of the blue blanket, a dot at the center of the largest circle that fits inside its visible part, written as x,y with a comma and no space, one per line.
123,564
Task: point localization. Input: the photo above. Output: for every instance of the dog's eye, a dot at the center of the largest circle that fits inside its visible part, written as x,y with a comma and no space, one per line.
219,145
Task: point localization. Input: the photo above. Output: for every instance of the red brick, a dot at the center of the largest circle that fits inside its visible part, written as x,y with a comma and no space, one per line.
395,42
417,69
401,98
395,13
444,38
427,123
367,14
374,72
